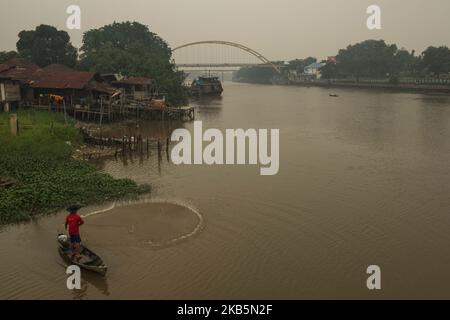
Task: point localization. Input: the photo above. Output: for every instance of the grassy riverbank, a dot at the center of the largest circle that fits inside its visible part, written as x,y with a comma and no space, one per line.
47,178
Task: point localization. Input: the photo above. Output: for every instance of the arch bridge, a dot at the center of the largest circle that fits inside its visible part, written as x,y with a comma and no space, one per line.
221,61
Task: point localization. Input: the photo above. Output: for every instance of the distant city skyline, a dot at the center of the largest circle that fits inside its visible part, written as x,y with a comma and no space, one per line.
281,30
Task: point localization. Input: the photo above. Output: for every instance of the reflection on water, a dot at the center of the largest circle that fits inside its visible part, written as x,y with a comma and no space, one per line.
363,180
88,281
434,117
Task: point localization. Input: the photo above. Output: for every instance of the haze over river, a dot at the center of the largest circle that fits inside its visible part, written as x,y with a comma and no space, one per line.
364,180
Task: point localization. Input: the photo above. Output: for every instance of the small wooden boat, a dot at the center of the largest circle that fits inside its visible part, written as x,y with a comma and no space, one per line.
334,95
88,261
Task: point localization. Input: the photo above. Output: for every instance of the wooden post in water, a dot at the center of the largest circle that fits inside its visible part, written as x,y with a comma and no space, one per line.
115,147
167,149
137,144
159,151
130,145
167,145
101,111
109,110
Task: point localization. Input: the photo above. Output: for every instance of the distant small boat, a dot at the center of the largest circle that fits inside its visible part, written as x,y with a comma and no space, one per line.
89,260
334,95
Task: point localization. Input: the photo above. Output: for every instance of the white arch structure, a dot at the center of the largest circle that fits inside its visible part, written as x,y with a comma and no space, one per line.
235,45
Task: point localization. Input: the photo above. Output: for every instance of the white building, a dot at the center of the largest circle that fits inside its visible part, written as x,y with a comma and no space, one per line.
314,69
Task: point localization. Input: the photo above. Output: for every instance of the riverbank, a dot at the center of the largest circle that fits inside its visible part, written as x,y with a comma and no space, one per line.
46,177
404,87
410,87
355,172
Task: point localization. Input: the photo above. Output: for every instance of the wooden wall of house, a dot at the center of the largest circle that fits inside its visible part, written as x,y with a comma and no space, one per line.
141,92
139,95
135,91
9,91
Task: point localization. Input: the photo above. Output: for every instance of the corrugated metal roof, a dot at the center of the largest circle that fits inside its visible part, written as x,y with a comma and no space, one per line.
134,80
103,88
315,65
18,69
54,76
3,67
57,76
20,62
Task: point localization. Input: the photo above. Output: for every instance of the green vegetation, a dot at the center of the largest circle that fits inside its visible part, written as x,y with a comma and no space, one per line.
7,55
48,178
128,48
376,60
264,74
299,65
46,45
255,74
370,59
131,49
436,60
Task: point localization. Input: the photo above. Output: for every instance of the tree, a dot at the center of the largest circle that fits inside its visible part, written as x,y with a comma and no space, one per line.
405,62
255,74
436,60
300,64
330,70
370,58
7,55
46,45
131,49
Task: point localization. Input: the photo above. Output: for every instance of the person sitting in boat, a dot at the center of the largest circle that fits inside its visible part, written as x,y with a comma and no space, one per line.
72,225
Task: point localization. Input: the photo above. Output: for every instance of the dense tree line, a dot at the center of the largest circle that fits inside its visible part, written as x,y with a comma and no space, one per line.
299,65
376,59
258,74
264,74
255,74
7,55
371,59
129,48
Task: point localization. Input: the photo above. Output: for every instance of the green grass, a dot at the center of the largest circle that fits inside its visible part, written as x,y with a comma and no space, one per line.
49,179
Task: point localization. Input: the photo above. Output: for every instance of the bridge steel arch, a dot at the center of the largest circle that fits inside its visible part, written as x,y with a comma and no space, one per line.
232,44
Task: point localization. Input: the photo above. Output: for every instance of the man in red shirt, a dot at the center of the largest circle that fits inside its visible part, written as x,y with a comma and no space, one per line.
73,223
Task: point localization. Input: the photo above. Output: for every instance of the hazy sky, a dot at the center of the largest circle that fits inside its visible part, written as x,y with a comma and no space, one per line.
280,30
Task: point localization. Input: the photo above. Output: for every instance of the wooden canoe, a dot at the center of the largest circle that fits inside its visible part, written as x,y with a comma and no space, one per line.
88,261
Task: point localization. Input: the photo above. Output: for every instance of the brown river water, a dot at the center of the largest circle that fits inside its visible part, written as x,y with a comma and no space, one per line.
364,180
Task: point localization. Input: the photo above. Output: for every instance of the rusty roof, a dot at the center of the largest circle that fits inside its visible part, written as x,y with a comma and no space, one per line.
3,67
54,76
18,69
57,76
20,62
102,88
134,81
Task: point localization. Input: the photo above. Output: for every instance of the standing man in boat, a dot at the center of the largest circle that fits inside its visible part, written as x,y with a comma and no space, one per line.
72,225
